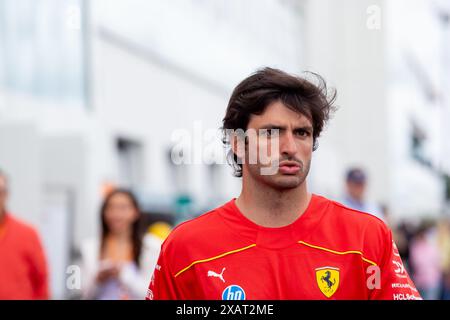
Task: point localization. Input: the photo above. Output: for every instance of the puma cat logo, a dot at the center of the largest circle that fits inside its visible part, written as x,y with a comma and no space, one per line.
217,275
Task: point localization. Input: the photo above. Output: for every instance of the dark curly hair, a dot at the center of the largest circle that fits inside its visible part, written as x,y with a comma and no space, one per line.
267,85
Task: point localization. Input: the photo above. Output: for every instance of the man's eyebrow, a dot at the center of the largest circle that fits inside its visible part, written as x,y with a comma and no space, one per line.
307,128
270,126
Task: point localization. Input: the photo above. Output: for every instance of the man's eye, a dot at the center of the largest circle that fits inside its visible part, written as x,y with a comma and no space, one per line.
302,133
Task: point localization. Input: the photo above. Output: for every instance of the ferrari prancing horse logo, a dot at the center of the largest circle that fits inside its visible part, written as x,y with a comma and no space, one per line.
327,280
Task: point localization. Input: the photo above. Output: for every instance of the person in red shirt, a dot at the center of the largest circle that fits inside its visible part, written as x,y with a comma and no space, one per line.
277,240
23,267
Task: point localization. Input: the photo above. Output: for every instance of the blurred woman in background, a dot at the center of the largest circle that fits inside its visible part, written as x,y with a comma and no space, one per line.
119,265
425,259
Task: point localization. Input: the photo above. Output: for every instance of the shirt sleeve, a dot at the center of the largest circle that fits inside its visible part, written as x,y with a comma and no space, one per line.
394,282
162,284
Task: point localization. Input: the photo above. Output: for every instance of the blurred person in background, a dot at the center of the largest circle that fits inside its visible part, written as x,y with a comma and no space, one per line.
119,264
356,185
426,262
403,234
23,266
157,232
443,238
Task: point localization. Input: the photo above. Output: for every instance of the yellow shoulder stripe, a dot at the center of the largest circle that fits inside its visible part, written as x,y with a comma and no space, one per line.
214,258
339,252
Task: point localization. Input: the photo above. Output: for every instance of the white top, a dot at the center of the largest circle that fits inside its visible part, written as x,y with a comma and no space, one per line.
366,206
132,281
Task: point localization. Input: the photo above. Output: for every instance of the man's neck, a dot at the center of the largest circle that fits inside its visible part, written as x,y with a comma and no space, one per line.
273,208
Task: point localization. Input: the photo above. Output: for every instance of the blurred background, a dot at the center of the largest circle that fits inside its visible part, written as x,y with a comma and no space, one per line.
94,94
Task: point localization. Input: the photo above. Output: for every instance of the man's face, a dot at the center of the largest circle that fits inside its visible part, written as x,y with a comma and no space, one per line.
3,194
356,189
287,165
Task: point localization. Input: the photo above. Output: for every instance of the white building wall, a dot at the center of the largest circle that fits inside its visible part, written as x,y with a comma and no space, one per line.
417,86
377,97
19,158
350,56
173,68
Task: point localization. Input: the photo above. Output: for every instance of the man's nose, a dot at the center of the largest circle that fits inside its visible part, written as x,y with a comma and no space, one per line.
287,144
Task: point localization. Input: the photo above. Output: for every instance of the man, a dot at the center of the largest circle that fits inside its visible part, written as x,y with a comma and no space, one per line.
356,184
277,240
23,269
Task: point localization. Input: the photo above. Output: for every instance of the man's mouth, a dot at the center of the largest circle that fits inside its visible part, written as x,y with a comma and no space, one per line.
289,167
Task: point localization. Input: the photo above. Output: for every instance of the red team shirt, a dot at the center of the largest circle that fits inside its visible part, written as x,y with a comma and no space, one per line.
329,252
23,267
